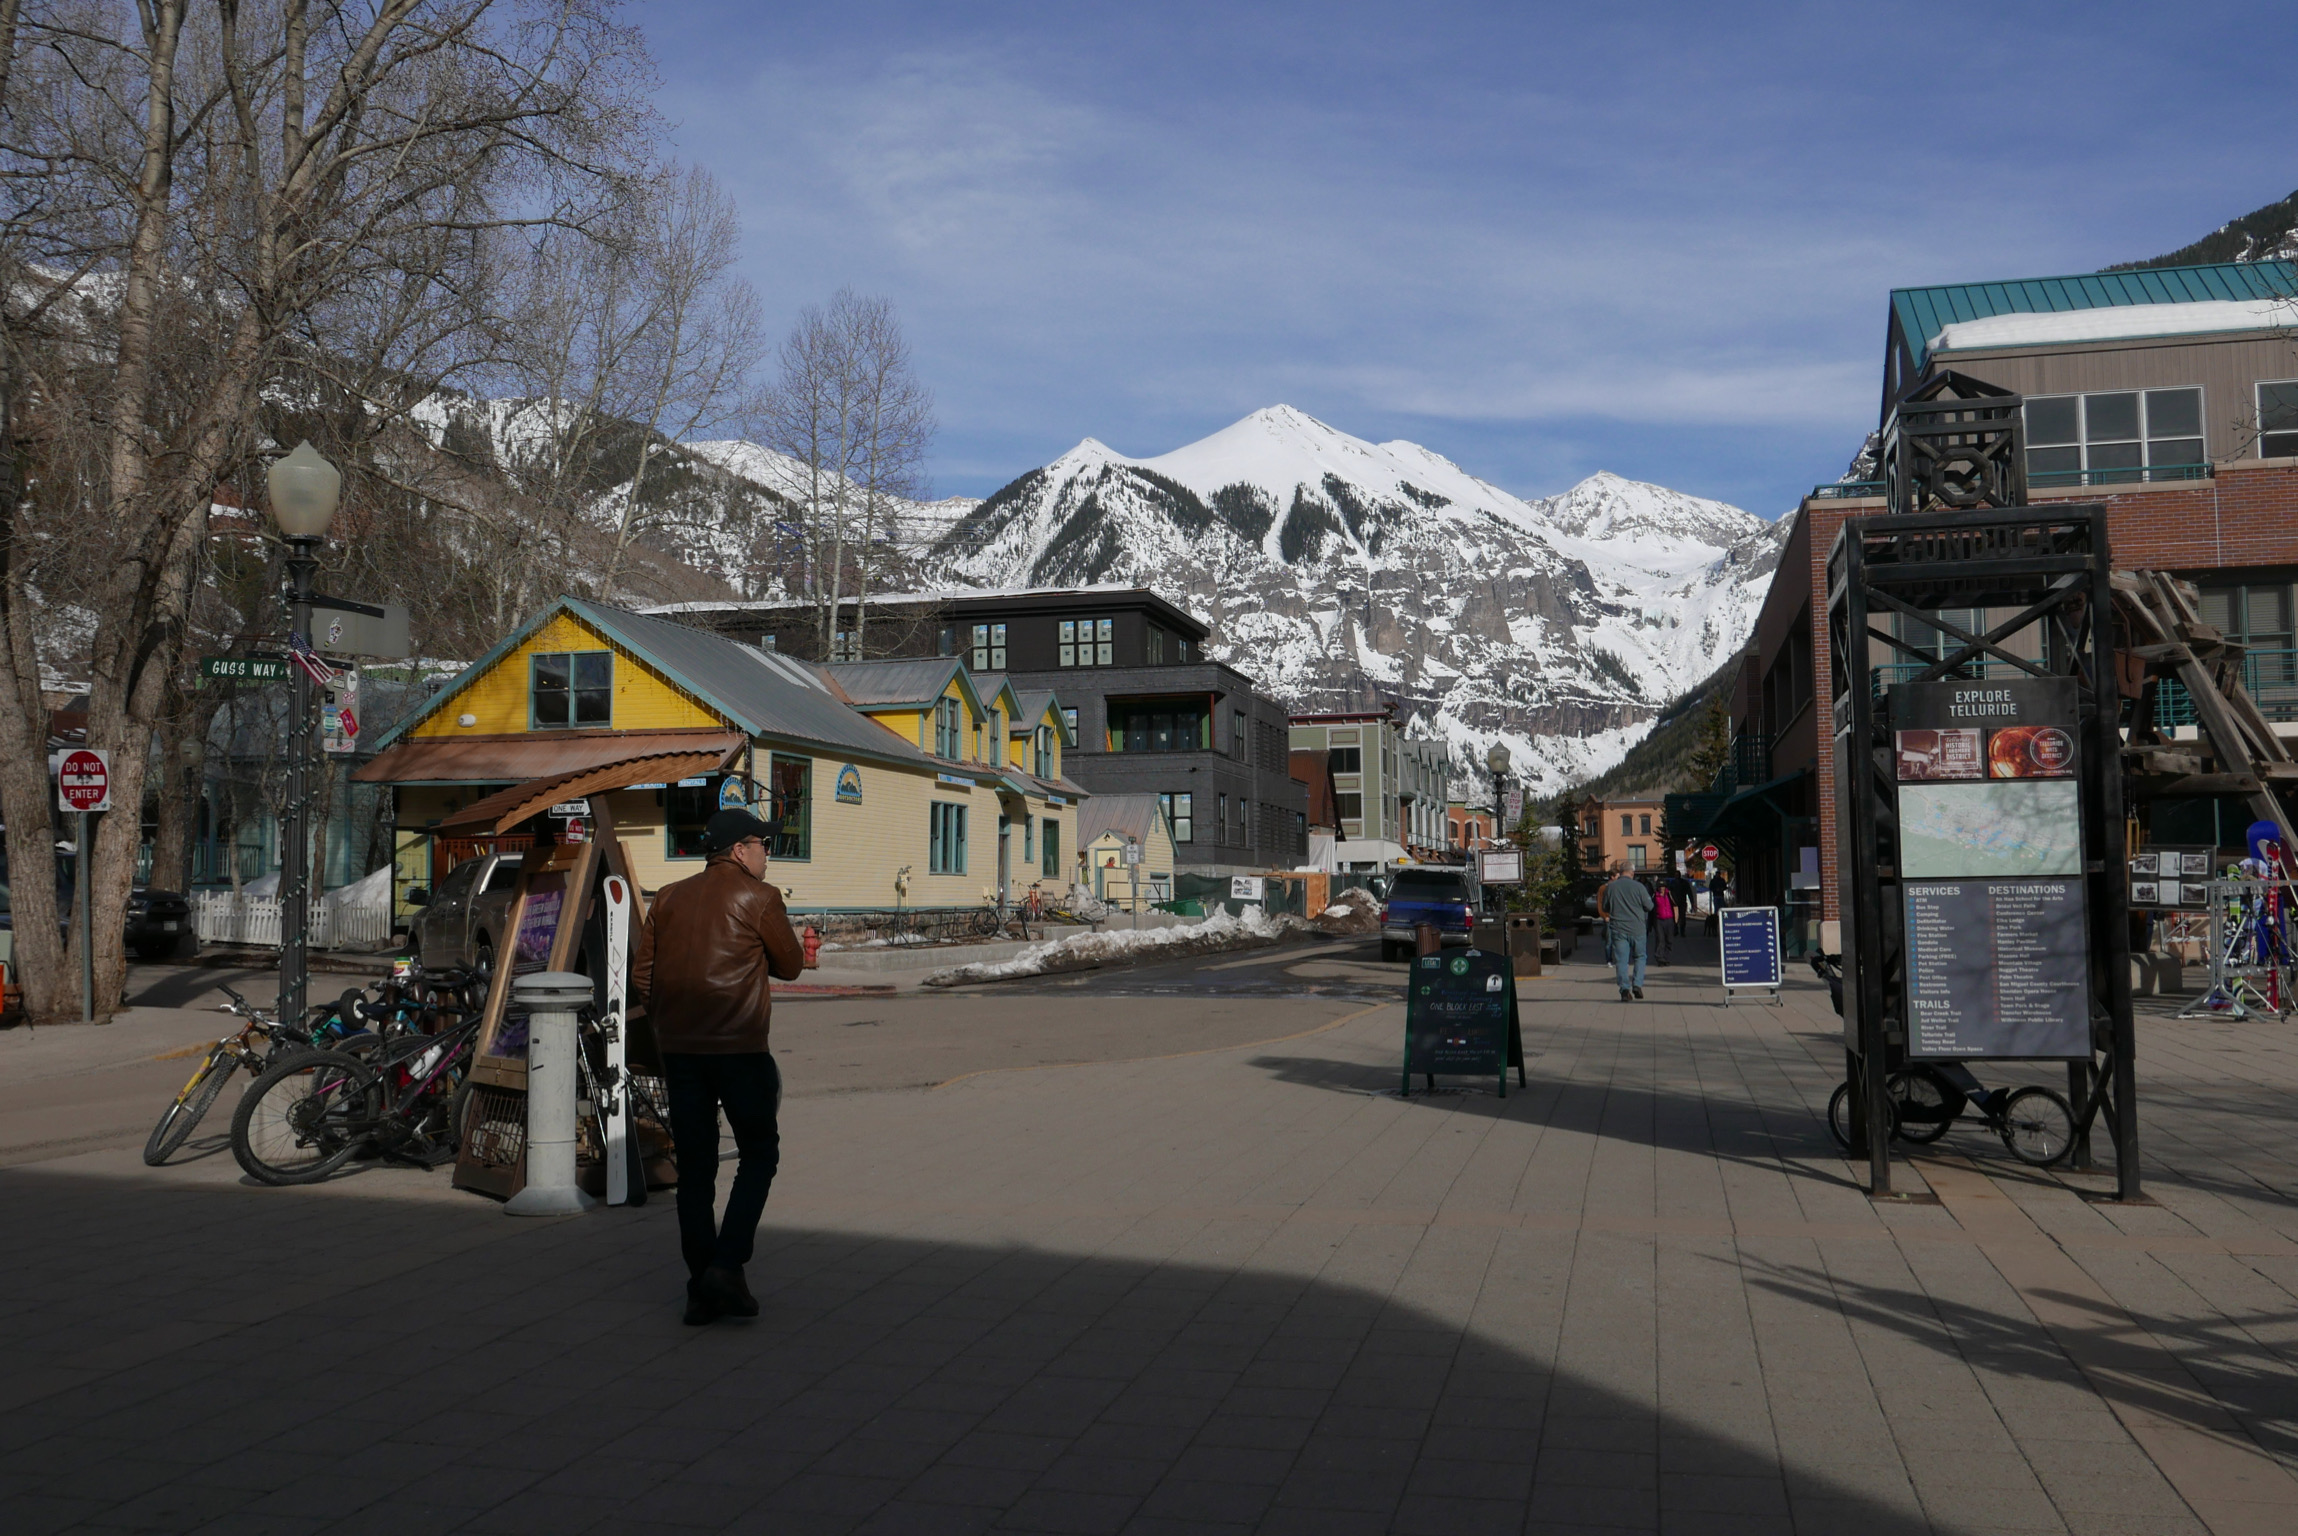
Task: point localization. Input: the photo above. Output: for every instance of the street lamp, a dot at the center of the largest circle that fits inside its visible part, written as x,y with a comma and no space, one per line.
1497,760
304,491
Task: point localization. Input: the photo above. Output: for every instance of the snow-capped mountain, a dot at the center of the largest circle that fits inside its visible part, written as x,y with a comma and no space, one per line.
1343,574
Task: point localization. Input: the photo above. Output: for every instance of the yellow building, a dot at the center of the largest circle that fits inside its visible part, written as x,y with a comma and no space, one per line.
913,801
1106,825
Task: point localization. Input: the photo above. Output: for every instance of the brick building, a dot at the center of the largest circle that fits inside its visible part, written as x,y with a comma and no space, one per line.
2170,396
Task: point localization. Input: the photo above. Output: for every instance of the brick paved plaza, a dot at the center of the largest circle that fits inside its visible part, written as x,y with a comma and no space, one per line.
1241,1288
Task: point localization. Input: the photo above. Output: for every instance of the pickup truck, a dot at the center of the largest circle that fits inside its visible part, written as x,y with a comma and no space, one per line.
1439,897
467,916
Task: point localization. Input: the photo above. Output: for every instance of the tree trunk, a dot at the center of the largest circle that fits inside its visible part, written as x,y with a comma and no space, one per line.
182,777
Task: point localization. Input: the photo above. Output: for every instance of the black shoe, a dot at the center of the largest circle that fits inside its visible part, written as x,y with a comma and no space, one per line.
725,1290
1639,994
699,1308
1624,994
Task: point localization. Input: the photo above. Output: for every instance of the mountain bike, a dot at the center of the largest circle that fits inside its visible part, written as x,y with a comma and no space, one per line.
259,1042
310,1112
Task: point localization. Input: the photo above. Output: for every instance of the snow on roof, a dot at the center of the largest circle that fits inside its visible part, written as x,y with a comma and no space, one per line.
2120,322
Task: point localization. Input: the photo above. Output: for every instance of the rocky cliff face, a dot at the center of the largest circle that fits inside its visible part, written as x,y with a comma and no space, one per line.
1344,574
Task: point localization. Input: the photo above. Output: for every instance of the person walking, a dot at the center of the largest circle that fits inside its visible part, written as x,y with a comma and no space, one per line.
1663,919
1680,886
704,957
1624,907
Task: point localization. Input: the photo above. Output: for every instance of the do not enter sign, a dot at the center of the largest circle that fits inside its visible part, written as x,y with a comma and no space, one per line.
84,780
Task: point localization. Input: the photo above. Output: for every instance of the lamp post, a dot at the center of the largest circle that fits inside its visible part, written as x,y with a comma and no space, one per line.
304,490
1497,760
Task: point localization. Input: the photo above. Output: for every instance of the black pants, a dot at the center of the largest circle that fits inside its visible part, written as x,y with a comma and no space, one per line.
748,1086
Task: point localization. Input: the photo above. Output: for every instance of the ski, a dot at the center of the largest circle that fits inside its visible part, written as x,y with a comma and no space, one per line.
614,1110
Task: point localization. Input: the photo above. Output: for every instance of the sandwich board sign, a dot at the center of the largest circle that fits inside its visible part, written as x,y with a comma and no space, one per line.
1460,1018
1750,944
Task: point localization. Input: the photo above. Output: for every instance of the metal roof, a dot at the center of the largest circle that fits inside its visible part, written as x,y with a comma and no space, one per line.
506,808
913,683
1921,313
1131,816
1033,706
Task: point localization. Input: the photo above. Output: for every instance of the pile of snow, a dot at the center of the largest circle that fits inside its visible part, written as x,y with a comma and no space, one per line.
1351,912
1084,951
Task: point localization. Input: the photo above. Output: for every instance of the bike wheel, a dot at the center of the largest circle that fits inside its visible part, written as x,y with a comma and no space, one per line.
1925,1105
303,1117
184,1112
1839,1116
2038,1126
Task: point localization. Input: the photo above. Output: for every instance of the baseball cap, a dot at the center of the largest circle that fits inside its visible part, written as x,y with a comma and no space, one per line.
726,828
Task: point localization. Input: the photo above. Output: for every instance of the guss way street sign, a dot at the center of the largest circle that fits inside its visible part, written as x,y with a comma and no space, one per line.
244,669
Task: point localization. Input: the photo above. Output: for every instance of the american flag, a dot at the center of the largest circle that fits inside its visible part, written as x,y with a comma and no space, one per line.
300,652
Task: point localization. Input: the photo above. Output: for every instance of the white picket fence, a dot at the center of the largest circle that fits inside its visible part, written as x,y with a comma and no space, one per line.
226,917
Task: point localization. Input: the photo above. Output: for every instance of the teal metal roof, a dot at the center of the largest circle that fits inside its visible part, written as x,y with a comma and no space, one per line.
1921,313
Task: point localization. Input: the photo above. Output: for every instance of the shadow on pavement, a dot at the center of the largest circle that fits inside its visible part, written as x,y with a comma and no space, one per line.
235,1360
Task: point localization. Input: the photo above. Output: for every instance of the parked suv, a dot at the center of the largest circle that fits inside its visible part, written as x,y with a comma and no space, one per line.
159,923
1441,898
470,912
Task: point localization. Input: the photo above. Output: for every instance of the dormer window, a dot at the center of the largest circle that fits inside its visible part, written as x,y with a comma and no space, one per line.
569,689
946,728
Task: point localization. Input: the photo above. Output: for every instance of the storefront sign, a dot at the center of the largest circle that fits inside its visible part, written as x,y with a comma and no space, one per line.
1990,847
733,793
849,785
959,779
1460,1018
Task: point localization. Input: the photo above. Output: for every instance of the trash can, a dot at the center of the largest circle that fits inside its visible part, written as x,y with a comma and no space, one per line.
1524,942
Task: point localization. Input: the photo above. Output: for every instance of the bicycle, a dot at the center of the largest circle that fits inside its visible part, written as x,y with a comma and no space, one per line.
206,1084
307,1114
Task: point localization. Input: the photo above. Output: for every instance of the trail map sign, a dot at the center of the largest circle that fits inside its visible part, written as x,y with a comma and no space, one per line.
84,780
1990,851
1460,1018
1750,944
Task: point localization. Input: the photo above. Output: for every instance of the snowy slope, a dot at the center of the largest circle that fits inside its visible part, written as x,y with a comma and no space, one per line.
1344,573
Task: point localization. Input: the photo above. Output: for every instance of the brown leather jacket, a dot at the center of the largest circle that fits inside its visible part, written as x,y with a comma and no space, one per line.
704,956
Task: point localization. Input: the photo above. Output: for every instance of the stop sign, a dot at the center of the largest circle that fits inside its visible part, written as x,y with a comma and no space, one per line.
1708,854
84,780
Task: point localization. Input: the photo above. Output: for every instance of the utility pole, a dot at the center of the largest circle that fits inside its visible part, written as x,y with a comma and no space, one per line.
304,491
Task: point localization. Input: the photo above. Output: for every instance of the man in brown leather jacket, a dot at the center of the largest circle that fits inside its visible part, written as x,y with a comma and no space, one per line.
704,956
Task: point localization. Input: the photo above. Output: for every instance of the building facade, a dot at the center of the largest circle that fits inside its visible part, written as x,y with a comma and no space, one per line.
1625,831
2167,395
1145,710
885,791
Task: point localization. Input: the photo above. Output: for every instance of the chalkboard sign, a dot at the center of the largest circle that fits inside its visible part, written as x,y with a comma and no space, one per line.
1460,1018
1750,942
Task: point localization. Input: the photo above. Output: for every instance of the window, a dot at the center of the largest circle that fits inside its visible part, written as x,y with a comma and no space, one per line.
989,647
1052,849
1069,718
1627,826
2277,420
1347,759
791,782
1177,812
946,737
570,688
1635,856
1237,734
1643,826
945,838
1160,725
946,644
769,643
1348,806
845,646
1088,642
2086,439
1042,764
1221,821
685,808
1156,646
1300,833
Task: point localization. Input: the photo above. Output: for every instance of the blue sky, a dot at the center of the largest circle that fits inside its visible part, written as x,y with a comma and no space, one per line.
1541,239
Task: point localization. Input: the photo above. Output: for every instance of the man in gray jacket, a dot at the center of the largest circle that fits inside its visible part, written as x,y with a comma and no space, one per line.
1625,907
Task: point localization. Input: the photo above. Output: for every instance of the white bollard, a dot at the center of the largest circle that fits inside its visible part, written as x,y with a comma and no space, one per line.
550,999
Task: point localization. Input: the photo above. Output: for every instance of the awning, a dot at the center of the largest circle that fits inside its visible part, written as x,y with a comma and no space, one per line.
506,808
534,755
1732,817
